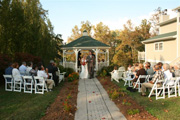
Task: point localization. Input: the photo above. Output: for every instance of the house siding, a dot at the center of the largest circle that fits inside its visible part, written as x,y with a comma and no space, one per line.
168,53
168,28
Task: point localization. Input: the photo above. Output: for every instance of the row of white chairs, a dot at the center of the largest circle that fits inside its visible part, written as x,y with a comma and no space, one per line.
28,83
170,89
160,91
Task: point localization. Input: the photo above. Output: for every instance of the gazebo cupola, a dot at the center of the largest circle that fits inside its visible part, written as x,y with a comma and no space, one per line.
84,43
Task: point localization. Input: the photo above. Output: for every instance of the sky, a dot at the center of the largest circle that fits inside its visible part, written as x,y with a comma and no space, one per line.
65,14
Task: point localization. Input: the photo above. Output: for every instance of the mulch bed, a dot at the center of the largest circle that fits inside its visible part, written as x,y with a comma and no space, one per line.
142,115
56,110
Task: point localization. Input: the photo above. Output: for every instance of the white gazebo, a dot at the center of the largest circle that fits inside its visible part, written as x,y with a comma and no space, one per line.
83,44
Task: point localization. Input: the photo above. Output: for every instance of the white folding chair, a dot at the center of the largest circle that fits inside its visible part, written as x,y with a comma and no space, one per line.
172,88
62,76
128,79
28,84
40,85
8,82
119,76
18,84
51,77
138,81
150,77
158,89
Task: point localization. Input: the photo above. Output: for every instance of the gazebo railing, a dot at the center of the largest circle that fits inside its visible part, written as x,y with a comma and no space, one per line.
70,65
101,65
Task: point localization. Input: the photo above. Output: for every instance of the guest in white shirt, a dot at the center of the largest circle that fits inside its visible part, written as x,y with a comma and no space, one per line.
42,73
29,67
23,68
15,72
115,73
129,68
167,74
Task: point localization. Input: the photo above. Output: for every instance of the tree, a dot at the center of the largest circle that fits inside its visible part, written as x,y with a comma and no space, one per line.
77,32
155,19
25,27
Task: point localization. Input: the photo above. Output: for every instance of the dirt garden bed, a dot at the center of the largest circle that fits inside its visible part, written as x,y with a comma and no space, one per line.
129,107
64,107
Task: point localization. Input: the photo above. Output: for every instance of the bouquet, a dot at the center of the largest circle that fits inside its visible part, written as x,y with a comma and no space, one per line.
83,63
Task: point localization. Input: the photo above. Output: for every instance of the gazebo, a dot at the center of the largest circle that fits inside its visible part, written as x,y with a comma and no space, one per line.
85,43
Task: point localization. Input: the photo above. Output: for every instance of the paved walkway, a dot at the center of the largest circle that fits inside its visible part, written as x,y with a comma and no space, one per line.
93,102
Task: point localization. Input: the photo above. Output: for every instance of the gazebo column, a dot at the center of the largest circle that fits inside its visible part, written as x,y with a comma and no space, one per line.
107,51
76,63
97,51
63,58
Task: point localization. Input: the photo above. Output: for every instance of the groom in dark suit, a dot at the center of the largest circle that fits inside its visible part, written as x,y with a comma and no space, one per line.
91,64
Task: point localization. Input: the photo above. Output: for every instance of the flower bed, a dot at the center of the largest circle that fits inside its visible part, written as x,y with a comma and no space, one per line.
129,107
64,107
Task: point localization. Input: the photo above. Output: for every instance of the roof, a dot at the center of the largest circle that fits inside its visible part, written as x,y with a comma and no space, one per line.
166,36
85,42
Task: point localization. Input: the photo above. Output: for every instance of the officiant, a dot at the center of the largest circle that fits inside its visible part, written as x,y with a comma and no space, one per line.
91,64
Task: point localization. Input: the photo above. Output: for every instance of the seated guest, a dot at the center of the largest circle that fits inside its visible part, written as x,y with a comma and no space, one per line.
159,75
149,69
52,69
129,67
160,64
141,71
34,70
42,73
176,70
16,73
29,67
115,72
8,71
23,68
167,74
136,65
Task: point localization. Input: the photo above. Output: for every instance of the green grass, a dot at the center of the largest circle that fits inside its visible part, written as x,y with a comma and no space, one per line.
157,107
25,106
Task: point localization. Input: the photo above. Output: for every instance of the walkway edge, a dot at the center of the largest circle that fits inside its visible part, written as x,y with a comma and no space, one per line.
114,110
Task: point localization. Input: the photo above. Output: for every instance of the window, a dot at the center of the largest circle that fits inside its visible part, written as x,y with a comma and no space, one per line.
158,46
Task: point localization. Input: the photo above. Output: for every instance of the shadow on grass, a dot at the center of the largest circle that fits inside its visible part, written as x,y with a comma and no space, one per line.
163,109
25,106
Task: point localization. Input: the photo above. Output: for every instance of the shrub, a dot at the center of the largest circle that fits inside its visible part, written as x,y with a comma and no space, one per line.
113,94
73,76
108,69
66,106
69,96
125,102
133,111
61,68
20,57
68,71
4,63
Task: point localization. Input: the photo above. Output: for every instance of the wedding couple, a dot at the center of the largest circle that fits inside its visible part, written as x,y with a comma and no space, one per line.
87,66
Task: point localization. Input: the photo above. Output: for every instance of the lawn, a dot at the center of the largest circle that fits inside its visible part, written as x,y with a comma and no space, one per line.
25,106
163,109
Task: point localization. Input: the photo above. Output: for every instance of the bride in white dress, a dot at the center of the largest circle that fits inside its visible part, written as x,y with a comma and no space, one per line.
84,68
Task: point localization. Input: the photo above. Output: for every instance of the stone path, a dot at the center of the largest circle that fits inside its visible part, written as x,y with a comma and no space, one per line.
93,102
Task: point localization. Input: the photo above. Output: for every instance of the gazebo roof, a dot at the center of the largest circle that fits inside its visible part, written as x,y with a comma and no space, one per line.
86,42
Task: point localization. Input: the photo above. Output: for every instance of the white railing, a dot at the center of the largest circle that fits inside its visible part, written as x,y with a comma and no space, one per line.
70,65
177,60
101,65
141,55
